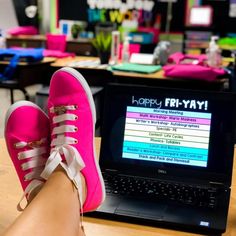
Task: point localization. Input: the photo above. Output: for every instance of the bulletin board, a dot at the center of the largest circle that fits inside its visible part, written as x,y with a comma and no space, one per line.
222,22
73,10
82,10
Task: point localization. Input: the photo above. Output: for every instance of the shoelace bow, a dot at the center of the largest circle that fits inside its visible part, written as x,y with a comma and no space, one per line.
62,153
34,163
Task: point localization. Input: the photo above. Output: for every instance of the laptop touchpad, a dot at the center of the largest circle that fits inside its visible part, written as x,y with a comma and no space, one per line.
138,208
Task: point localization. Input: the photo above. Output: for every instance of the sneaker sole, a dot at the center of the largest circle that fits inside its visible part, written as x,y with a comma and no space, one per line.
87,89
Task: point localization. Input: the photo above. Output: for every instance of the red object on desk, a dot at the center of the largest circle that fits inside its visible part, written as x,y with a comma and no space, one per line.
23,30
133,48
191,67
56,42
57,54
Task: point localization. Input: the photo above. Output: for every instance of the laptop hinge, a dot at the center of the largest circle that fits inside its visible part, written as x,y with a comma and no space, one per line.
111,170
216,183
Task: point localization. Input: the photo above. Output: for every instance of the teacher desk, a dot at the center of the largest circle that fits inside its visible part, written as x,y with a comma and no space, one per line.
81,46
153,79
11,192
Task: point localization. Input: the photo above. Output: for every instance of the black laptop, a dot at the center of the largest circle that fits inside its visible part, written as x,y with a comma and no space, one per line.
167,157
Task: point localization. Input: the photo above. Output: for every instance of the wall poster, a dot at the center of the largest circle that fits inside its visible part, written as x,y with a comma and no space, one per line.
117,11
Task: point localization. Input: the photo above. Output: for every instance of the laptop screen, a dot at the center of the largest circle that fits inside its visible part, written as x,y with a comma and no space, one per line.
163,131
154,131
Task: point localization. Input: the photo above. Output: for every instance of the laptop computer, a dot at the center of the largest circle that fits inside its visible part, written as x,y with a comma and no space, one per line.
167,157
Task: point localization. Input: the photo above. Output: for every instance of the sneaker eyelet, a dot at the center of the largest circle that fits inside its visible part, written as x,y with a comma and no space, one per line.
76,117
75,141
75,106
75,129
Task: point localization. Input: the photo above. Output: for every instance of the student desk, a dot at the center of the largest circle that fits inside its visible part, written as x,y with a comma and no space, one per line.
74,62
159,79
94,73
11,192
154,79
26,74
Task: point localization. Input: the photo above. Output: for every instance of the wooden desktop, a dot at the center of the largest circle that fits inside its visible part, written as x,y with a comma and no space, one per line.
84,47
154,79
11,192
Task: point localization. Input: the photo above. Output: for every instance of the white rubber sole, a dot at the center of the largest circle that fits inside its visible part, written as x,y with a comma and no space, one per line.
87,89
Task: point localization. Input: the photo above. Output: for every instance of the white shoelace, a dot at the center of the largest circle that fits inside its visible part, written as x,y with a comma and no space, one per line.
35,165
61,147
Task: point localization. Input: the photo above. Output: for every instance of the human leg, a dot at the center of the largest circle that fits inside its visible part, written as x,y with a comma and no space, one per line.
72,119
54,211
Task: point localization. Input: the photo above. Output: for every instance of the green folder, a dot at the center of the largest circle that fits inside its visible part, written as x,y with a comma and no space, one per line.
131,67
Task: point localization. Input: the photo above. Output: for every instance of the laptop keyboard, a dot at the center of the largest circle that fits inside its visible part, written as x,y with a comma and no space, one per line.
158,190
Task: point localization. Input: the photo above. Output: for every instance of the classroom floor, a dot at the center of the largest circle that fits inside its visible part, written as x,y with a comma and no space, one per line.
5,102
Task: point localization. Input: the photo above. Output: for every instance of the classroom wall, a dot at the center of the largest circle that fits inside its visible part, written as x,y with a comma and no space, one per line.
7,15
222,23
45,16
78,10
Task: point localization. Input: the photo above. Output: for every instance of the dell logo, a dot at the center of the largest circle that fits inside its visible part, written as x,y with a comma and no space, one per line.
162,171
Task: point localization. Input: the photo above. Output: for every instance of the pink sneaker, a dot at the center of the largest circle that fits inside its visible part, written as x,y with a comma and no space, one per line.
72,119
26,134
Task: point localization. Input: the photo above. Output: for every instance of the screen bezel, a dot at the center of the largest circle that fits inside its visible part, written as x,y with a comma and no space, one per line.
115,91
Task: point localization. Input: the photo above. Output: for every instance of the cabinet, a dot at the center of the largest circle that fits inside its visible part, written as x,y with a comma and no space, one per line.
82,47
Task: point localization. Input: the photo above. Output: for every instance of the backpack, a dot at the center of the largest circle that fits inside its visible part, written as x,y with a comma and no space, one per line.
15,55
196,68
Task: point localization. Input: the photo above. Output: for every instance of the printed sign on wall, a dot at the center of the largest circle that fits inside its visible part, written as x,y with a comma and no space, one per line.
118,10
189,5
232,8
